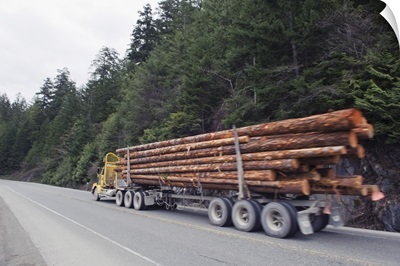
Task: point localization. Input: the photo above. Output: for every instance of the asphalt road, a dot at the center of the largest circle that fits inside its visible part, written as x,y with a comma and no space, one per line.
45,225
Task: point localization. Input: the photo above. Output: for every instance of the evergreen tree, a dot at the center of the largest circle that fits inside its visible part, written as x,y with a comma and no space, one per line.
102,90
144,37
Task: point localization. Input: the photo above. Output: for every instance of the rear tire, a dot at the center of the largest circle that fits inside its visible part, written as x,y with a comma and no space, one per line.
219,212
138,201
276,220
293,213
245,215
319,222
128,199
119,198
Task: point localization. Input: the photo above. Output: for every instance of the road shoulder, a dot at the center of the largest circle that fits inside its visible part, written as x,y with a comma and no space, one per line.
16,247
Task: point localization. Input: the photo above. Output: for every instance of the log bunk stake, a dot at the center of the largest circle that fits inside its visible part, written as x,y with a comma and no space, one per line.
293,156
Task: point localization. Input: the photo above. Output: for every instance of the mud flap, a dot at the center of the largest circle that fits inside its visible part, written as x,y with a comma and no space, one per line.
335,217
303,220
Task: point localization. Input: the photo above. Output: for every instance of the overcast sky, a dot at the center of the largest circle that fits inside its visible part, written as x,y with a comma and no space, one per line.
37,37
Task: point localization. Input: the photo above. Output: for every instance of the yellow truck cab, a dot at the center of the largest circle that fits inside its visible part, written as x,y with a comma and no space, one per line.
108,180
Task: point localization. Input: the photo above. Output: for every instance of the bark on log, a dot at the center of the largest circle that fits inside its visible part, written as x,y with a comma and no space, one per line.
287,187
261,156
189,147
298,141
342,120
261,175
341,181
214,153
290,164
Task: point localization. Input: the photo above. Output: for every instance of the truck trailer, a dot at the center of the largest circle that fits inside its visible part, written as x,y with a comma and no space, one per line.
260,176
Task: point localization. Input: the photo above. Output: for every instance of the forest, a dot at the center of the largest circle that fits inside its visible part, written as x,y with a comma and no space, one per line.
196,66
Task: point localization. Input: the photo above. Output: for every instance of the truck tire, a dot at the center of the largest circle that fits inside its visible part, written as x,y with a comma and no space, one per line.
219,212
276,220
319,222
293,214
96,194
138,201
119,198
245,215
128,199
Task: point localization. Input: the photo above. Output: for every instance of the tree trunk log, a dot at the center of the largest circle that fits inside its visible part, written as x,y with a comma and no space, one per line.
341,181
261,156
365,131
189,147
216,153
261,175
342,120
289,164
287,187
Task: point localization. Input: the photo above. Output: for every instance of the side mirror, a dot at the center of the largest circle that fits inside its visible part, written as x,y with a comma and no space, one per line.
98,170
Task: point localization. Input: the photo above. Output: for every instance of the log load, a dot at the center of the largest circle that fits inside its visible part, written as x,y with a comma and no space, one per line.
293,156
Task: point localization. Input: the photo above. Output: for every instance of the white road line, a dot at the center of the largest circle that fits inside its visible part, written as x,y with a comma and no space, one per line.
88,229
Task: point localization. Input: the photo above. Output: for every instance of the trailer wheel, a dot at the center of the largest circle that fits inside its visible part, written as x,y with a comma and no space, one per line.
96,194
119,198
276,220
245,215
219,212
319,222
138,201
259,207
128,199
293,214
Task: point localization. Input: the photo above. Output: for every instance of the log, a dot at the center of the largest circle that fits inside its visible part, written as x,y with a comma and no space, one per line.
314,175
287,187
189,147
365,131
261,156
261,175
290,164
298,141
341,181
213,153
342,120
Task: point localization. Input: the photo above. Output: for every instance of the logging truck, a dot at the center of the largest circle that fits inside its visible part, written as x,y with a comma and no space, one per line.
259,176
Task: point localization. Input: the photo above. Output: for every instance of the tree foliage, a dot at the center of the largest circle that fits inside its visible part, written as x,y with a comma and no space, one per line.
197,66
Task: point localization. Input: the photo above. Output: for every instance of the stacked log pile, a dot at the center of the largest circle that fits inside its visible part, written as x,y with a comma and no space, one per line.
295,156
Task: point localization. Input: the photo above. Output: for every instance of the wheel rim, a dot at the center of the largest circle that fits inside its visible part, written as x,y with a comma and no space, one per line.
217,212
275,220
243,216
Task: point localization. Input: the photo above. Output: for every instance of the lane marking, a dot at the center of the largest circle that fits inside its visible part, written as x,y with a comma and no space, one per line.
88,229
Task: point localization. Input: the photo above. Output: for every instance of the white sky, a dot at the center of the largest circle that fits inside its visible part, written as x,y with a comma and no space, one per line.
37,37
